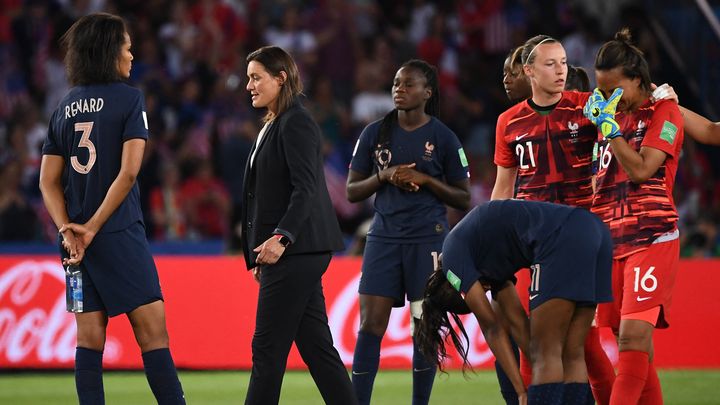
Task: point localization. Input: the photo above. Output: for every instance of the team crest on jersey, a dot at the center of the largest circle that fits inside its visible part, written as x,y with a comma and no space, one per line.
573,127
640,132
428,151
383,156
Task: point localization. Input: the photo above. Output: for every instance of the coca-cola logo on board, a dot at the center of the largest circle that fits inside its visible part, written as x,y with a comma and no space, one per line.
344,320
34,326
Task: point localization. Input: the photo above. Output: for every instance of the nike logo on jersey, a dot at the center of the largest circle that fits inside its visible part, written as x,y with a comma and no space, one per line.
532,297
519,137
360,373
641,299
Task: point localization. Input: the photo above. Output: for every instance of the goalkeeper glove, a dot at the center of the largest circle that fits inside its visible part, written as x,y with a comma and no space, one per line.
601,112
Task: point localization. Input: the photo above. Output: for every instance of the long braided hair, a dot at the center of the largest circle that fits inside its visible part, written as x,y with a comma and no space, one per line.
432,107
435,328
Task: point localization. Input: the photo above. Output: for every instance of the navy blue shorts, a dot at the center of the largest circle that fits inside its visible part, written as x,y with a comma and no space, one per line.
118,272
575,263
395,270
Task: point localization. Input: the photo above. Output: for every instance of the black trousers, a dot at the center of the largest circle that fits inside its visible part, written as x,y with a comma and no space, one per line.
291,307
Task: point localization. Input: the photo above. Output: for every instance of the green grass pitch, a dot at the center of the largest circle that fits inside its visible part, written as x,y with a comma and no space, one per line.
691,387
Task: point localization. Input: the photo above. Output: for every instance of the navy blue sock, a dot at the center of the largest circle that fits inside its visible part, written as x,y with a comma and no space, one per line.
578,394
162,377
423,376
365,365
546,394
88,376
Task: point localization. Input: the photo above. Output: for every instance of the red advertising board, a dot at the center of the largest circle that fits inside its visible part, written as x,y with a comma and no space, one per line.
211,304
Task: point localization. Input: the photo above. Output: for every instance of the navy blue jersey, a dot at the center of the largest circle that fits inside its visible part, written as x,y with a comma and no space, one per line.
498,238
411,216
88,129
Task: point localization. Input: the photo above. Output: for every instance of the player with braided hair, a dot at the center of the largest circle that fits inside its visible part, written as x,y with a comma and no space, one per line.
414,165
569,250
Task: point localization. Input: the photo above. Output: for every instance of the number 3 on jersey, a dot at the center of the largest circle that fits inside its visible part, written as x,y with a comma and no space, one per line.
85,142
520,152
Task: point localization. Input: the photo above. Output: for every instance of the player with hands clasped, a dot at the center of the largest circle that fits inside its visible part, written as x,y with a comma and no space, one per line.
637,159
414,165
91,157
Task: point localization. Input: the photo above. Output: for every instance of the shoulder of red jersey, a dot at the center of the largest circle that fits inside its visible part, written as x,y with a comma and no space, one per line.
574,98
667,106
520,108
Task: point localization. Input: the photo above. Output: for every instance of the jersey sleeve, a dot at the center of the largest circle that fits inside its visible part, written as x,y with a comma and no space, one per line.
455,164
362,161
136,125
503,154
665,129
51,146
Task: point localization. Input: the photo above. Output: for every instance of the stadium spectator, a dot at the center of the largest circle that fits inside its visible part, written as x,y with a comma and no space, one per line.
18,221
166,205
205,203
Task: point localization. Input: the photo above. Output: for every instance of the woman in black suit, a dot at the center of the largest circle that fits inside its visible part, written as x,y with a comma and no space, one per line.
289,232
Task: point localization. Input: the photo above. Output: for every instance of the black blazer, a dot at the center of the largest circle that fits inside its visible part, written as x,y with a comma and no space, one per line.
284,192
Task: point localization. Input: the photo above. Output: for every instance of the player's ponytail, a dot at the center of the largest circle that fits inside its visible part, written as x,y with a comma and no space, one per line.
434,327
620,52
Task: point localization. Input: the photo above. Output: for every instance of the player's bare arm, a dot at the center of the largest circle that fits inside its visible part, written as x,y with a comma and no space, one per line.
360,186
639,166
129,167
515,315
698,127
504,183
51,188
455,194
495,334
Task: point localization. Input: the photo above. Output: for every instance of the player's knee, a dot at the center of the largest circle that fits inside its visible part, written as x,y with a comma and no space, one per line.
574,355
373,325
374,319
91,339
635,341
152,338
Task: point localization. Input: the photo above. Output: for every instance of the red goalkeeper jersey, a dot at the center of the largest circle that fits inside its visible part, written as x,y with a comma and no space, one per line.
553,152
638,213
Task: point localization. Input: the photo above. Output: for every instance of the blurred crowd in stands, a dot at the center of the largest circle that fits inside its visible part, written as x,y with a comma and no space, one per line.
190,62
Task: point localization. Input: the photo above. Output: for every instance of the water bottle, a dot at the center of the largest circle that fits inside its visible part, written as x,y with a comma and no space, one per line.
73,289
